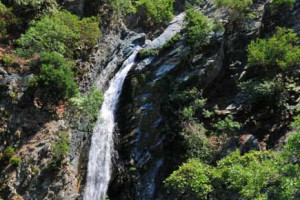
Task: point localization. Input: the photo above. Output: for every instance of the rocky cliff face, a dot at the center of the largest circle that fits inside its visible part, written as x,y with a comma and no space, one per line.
145,139
147,136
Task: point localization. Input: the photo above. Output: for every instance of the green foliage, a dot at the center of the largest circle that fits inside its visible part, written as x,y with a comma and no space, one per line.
228,125
156,11
192,3
29,9
8,20
198,28
15,161
296,123
172,41
280,52
8,152
282,5
8,60
191,181
238,5
237,10
271,93
86,108
145,53
36,170
60,149
195,142
62,32
293,146
55,78
192,101
119,7
248,175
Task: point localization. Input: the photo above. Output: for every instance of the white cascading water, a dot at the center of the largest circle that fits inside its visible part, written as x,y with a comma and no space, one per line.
99,166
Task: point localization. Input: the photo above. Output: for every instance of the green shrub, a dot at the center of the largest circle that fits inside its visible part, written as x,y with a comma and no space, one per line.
55,78
280,52
191,181
15,161
296,123
282,5
8,60
62,32
265,93
30,9
228,125
8,21
237,5
145,53
192,3
36,170
8,152
156,11
86,108
100,7
248,175
60,149
195,142
171,42
237,10
198,28
293,145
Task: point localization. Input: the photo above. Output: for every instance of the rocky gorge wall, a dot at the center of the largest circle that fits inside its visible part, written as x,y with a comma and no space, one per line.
145,138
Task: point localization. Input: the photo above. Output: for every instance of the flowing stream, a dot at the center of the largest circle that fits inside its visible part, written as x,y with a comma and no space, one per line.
101,151
99,166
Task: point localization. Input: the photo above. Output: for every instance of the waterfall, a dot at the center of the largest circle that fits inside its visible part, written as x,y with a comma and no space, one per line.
99,166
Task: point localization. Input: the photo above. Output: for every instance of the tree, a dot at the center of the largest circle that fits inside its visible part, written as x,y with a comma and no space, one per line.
278,53
61,32
198,29
234,5
55,78
8,21
282,5
248,175
61,149
157,11
191,181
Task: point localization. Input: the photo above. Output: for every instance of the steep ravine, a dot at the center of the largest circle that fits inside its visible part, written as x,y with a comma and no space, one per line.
147,146
146,150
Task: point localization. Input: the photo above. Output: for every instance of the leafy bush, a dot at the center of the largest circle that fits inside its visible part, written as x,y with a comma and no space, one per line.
228,125
195,142
198,29
296,123
8,152
237,10
191,181
172,41
86,108
30,9
280,52
156,11
15,161
62,32
55,78
8,60
293,146
262,93
238,5
100,7
282,5
8,20
246,175
60,149
145,53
